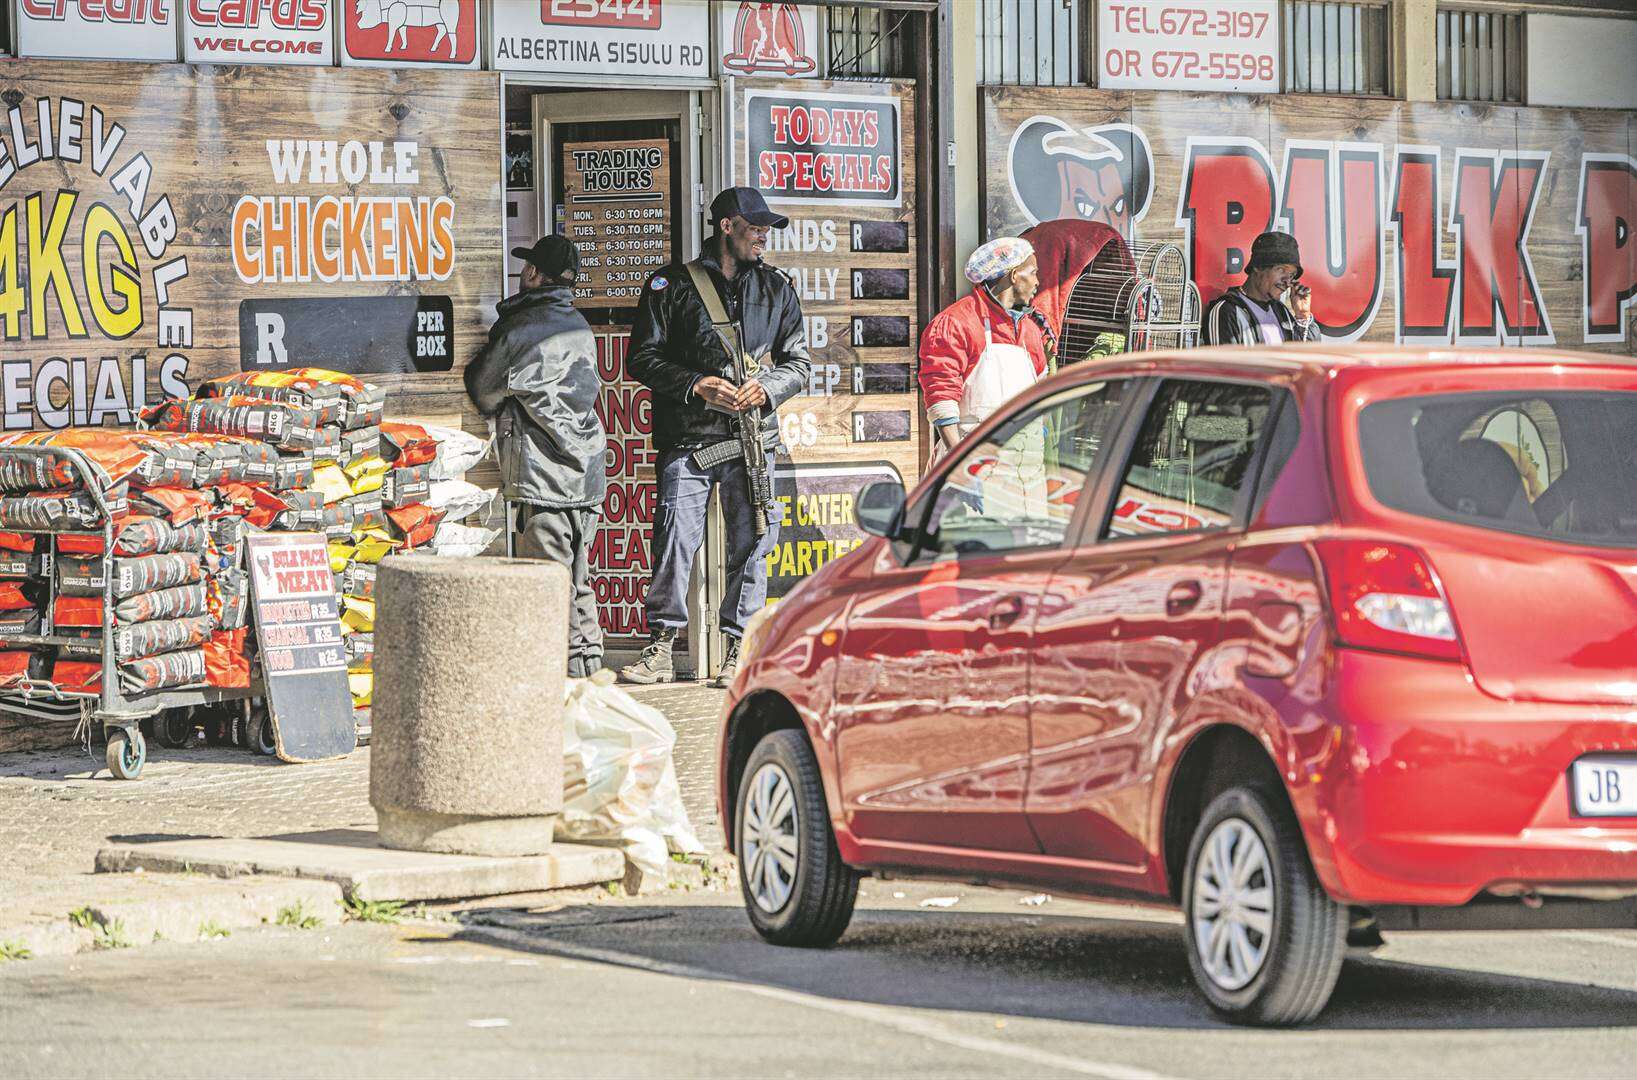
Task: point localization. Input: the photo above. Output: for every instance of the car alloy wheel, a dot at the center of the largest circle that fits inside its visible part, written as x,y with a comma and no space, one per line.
797,890
1265,941
1232,906
769,838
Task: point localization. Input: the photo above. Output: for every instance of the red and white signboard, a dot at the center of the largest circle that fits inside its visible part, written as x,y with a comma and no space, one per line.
1231,46
774,39
619,556
97,29
258,32
399,33
652,38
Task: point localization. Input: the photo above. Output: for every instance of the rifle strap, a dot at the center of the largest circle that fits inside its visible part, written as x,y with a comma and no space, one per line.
706,287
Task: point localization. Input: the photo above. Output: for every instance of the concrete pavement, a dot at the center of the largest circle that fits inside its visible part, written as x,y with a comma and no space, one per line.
990,987
59,809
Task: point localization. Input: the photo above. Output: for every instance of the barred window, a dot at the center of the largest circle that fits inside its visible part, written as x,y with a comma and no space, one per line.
869,43
1480,55
1030,42
1336,48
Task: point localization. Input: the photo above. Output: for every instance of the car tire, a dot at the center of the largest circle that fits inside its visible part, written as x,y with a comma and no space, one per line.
1267,948
803,897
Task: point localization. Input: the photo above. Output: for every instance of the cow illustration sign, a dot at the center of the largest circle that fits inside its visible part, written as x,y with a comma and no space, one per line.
1428,223
399,32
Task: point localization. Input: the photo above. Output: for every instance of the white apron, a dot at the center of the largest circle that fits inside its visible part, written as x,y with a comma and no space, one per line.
1002,372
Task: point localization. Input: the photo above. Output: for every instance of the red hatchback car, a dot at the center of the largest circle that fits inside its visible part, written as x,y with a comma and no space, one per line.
1310,642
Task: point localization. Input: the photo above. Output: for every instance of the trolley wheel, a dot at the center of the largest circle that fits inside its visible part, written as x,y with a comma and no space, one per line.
127,752
259,733
174,728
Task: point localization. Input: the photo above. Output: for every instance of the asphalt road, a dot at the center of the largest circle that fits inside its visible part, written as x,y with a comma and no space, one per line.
679,986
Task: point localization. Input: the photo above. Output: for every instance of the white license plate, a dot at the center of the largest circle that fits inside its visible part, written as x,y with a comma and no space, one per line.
1605,787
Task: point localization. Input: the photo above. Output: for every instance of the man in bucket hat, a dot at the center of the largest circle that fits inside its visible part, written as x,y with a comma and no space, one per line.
986,346
1253,313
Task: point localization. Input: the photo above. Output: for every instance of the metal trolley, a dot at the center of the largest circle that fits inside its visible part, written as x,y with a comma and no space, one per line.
120,714
1141,293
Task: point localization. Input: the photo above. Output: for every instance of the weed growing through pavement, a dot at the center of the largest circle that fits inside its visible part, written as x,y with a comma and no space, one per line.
379,911
297,916
210,928
82,918
14,950
112,935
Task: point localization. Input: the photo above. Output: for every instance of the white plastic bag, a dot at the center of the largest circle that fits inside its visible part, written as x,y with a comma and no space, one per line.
453,538
458,451
458,499
619,781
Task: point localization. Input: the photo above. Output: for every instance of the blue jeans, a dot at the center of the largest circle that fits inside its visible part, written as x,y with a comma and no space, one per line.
679,529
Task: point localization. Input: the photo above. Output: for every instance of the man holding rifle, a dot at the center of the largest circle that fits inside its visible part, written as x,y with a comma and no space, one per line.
721,344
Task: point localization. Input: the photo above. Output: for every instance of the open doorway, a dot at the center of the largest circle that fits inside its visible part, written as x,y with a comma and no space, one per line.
620,173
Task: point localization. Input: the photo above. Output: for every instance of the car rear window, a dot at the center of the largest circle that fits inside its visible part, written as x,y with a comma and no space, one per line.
1552,464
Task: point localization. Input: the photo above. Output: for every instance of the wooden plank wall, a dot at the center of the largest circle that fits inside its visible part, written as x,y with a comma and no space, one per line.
1169,121
204,129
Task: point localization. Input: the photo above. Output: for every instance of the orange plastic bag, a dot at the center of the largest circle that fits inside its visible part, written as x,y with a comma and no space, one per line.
227,664
414,525
406,444
77,611
84,676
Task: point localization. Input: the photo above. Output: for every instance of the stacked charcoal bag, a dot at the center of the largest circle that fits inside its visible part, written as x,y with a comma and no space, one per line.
330,482
341,464
163,490
423,493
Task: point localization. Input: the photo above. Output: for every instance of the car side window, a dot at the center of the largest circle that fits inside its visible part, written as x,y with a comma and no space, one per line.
1018,489
1192,458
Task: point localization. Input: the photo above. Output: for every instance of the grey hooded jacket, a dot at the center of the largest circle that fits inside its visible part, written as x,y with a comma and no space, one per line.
537,376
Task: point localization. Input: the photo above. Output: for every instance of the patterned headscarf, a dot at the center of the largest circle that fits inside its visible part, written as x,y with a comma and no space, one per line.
996,257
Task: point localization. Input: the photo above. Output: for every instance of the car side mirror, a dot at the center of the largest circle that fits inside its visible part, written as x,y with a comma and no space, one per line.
880,508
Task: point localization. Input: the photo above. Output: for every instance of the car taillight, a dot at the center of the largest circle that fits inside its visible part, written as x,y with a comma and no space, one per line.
1385,597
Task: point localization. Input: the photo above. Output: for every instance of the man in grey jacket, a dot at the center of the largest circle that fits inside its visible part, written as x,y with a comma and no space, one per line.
537,377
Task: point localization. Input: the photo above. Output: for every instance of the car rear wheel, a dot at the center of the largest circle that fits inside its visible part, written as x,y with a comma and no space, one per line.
797,889
1265,941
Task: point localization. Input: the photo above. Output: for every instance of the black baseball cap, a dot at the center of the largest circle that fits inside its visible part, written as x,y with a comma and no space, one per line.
745,202
554,256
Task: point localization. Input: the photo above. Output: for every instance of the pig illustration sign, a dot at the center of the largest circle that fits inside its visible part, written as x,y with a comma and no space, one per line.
1437,224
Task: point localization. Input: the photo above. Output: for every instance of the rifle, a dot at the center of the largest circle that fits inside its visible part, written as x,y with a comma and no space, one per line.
747,440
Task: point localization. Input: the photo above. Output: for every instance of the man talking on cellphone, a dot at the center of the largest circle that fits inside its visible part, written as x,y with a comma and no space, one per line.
1254,313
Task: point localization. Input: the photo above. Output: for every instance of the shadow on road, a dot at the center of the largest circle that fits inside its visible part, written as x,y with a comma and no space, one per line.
1123,973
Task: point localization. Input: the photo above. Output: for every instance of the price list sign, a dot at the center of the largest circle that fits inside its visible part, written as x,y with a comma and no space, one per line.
303,660
617,210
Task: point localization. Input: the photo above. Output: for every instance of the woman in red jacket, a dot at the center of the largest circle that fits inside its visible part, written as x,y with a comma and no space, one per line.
985,347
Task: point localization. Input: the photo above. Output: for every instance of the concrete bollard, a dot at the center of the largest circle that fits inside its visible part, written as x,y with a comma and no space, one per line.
470,659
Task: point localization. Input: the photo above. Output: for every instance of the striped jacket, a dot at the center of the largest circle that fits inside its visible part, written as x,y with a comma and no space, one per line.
1228,321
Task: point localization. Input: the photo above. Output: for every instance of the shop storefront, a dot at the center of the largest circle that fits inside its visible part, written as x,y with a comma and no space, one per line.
1455,173
202,187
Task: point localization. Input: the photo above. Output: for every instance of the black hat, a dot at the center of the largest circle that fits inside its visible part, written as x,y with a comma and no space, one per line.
554,256
1275,249
745,202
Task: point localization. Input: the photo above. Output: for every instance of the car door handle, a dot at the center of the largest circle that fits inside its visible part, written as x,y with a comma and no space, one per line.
1005,612
1183,598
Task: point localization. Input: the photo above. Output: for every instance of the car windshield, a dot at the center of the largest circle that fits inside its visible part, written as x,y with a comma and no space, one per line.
1561,465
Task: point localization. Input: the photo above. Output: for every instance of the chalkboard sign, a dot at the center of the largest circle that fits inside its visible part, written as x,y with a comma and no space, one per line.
303,659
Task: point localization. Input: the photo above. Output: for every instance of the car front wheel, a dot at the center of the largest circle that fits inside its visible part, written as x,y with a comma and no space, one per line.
1265,941
797,890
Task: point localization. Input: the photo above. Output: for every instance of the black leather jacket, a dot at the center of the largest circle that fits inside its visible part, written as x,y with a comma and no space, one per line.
673,346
